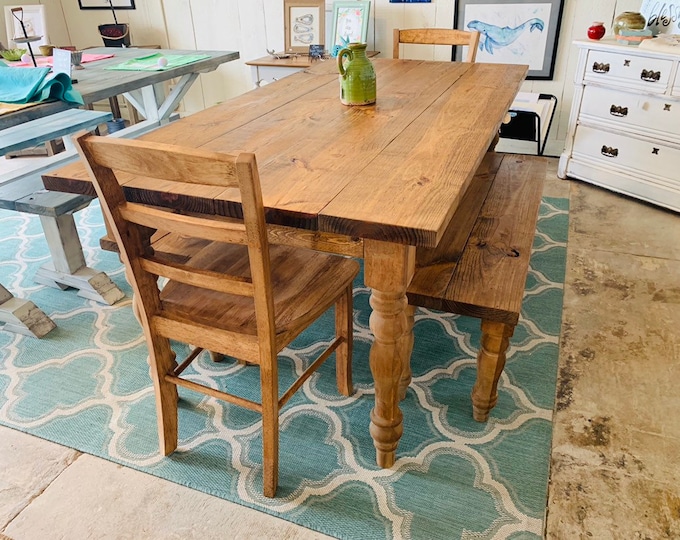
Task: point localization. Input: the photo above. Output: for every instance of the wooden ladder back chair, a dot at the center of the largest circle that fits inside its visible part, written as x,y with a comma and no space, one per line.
236,295
437,36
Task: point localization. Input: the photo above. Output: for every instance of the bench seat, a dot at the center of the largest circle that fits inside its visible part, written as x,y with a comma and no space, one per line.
50,127
480,266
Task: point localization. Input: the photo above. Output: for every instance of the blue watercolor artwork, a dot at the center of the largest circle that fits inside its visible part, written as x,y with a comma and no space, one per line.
495,36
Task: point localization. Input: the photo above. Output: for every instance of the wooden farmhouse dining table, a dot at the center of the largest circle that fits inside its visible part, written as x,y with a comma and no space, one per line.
376,182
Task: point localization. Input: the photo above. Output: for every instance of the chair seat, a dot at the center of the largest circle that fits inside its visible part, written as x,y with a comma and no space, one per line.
301,279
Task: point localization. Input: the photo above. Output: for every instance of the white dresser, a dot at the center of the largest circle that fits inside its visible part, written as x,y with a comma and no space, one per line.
624,127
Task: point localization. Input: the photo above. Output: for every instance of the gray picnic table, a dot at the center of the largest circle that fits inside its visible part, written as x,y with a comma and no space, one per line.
21,190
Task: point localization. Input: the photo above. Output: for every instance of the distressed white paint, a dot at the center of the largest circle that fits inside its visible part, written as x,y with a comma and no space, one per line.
252,26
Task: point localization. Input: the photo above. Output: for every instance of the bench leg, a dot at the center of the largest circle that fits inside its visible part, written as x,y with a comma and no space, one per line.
68,268
22,316
490,363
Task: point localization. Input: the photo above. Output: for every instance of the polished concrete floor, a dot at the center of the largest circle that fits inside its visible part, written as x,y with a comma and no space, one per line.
616,444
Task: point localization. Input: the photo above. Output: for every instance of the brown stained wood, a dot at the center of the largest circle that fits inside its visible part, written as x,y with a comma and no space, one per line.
436,265
485,277
436,36
233,294
299,179
500,244
181,247
392,175
490,363
317,157
487,281
438,155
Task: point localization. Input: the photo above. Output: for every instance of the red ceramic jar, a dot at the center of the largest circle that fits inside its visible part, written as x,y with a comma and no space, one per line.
596,31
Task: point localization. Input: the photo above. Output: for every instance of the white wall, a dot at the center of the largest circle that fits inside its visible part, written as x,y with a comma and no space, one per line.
252,26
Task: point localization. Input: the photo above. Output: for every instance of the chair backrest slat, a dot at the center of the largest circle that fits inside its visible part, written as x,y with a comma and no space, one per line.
155,160
198,278
210,229
437,36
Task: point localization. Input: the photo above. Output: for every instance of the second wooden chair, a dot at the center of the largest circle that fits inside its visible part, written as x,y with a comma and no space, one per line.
437,36
236,296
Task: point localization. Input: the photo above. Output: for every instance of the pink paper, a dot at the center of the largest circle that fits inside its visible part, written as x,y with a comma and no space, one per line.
46,61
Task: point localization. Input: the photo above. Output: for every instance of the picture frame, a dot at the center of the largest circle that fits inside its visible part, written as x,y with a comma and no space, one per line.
513,32
104,4
34,21
350,24
304,23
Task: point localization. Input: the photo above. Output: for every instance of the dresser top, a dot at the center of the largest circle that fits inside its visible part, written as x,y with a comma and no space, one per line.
610,44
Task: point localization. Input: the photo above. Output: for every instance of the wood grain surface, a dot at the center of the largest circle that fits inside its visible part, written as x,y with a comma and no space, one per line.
394,172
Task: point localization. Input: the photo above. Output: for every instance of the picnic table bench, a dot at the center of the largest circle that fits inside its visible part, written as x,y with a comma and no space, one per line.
25,193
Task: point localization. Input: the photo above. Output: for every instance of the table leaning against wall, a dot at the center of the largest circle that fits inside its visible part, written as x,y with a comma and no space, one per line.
146,91
374,182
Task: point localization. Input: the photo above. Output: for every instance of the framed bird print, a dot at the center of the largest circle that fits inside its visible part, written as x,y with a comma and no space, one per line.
513,32
304,24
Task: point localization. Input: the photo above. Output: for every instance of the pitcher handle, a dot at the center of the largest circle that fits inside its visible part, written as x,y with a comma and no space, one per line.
342,53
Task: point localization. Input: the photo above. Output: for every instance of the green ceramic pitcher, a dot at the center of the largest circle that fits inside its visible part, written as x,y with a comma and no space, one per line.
357,76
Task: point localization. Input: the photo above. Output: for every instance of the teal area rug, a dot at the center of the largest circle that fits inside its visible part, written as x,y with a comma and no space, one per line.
86,385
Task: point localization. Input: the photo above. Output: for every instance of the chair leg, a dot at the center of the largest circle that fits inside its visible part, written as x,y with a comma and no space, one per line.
344,328
161,362
270,426
490,364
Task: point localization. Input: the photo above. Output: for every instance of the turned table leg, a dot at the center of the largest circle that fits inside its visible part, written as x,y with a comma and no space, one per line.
490,363
407,350
388,269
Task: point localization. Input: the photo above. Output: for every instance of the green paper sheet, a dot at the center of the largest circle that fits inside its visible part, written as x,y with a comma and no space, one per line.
150,62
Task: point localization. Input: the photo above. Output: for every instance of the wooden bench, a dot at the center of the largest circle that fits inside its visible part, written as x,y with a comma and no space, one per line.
480,266
50,127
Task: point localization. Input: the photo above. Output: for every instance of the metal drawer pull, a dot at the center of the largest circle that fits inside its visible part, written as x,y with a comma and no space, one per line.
667,107
608,151
650,75
655,151
600,68
626,63
617,110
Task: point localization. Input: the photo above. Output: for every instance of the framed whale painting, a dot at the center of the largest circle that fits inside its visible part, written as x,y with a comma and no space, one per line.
513,32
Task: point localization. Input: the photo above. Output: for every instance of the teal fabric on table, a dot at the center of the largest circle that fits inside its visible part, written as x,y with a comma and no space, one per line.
86,385
150,62
24,85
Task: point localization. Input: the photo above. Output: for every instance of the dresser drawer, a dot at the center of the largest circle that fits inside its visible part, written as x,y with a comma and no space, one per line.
651,74
655,116
619,150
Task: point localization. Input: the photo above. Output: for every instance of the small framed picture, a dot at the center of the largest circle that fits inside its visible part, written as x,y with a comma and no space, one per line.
350,24
513,32
104,4
304,24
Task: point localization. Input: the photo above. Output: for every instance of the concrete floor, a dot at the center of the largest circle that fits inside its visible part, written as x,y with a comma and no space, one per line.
616,440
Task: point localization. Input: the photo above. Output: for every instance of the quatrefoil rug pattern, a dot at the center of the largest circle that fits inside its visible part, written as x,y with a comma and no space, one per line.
86,385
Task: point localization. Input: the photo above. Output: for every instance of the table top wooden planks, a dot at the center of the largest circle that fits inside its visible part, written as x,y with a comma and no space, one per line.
394,172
